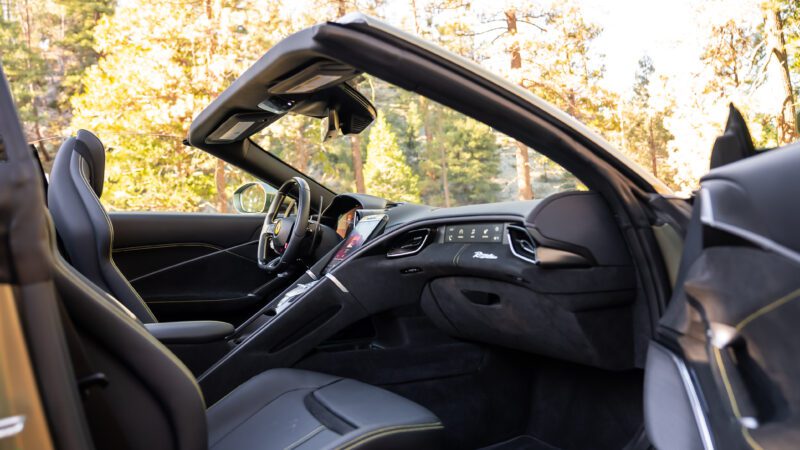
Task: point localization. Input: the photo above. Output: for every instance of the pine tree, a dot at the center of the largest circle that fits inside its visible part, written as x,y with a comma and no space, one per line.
646,135
474,159
386,172
27,70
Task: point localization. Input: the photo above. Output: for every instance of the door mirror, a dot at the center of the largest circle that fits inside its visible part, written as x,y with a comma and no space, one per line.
253,198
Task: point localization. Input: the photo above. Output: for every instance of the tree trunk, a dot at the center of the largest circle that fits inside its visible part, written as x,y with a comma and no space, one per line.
301,153
416,17
219,170
513,49
219,178
525,190
524,187
787,131
341,7
427,124
358,163
445,182
651,142
27,23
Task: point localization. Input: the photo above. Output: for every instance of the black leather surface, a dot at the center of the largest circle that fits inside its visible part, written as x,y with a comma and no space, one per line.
192,266
755,295
670,420
735,310
82,223
151,395
735,144
190,331
289,408
581,222
158,405
758,195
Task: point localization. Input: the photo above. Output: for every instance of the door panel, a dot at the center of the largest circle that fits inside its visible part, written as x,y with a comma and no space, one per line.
190,266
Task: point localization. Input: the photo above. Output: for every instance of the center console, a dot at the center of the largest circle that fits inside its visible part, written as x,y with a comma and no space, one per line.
314,308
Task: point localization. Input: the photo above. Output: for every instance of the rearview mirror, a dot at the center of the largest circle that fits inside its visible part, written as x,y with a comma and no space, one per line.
330,126
253,198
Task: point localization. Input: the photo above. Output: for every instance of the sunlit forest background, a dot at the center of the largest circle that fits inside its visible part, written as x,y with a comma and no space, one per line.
136,72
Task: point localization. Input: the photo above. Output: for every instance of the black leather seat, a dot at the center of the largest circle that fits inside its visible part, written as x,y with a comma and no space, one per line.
76,184
151,400
155,403
298,409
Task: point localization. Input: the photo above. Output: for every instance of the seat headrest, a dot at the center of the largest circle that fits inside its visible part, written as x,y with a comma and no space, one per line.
735,143
91,148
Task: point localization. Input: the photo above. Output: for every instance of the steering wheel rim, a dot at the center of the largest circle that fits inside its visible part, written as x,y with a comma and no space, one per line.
272,227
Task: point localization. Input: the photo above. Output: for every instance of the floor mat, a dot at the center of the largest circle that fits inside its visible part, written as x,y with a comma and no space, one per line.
521,443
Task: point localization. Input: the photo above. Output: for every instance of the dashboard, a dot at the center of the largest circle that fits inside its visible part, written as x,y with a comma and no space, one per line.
550,277
545,276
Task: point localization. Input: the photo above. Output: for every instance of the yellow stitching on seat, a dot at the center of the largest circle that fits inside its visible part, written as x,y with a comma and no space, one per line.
168,245
765,309
734,405
724,373
388,432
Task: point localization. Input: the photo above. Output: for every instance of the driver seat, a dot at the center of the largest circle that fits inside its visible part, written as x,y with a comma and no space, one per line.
82,224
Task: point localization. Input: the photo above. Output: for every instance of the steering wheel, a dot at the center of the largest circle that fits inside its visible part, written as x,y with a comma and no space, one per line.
284,234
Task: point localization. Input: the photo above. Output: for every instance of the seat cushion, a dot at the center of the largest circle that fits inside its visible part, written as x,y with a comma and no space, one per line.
298,409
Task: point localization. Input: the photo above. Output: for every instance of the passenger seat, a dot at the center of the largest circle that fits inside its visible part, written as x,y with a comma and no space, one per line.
151,400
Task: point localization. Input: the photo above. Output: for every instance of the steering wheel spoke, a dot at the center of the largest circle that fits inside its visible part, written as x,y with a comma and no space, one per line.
284,235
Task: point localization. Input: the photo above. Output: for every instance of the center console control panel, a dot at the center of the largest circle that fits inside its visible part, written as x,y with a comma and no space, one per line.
474,232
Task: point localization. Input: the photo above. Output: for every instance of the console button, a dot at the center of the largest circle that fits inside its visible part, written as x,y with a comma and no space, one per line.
479,232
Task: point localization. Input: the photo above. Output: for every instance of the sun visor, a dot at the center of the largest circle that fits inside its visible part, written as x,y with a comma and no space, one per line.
240,126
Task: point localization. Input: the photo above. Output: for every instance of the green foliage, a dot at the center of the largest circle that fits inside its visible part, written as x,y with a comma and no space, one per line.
472,157
25,69
386,172
137,73
78,42
566,72
646,134
160,66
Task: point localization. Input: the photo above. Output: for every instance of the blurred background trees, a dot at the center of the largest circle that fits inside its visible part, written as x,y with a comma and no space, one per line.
136,72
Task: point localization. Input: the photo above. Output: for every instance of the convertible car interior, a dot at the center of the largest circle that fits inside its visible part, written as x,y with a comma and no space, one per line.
325,320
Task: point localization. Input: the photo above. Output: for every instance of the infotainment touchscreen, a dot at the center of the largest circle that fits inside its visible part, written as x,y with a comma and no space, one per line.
361,233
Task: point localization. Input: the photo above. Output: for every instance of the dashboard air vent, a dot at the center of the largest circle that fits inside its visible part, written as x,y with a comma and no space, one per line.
410,243
522,244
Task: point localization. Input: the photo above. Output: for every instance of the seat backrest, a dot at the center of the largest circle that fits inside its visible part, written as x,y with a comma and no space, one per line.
735,143
76,184
725,372
151,397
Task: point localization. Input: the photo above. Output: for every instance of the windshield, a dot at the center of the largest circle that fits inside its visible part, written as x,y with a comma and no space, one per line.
417,151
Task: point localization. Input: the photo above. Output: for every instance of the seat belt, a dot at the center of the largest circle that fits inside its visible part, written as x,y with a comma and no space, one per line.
106,431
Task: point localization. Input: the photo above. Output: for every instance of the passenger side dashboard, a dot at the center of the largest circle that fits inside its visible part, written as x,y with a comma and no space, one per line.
556,280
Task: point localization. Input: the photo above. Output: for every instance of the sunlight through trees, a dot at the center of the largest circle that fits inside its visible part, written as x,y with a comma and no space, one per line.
136,73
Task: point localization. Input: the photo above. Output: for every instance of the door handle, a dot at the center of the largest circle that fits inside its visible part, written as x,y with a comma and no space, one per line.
11,426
